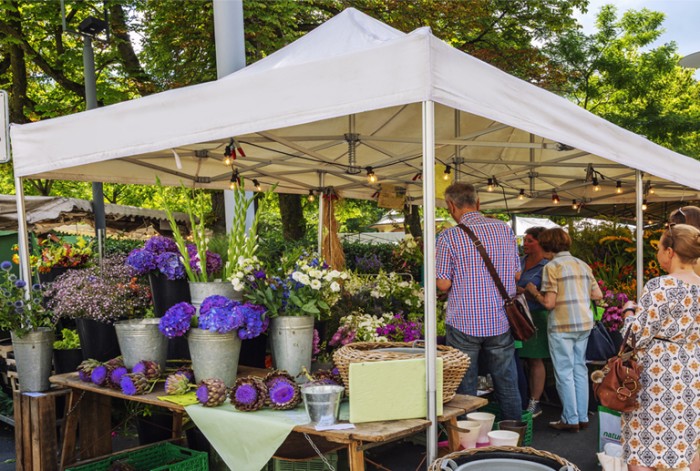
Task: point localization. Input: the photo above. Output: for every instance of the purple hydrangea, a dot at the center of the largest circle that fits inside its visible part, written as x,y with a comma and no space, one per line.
158,245
246,394
177,320
99,375
219,314
213,261
255,323
142,261
215,301
170,265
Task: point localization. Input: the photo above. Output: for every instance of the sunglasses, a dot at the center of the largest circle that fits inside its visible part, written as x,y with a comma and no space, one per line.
669,235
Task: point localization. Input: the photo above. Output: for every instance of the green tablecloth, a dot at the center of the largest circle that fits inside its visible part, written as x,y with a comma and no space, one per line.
247,440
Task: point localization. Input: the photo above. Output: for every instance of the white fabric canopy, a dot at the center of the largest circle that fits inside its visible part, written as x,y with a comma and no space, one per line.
292,113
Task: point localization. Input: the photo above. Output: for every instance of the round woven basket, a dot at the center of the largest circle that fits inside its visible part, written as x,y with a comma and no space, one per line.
455,363
516,452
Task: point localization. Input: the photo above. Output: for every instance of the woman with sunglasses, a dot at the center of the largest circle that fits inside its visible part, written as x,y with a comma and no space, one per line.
687,215
664,430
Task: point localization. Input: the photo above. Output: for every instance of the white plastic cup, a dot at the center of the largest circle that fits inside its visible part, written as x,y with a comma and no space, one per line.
486,420
503,438
468,433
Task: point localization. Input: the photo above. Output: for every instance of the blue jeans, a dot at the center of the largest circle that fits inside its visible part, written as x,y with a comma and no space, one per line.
568,352
499,353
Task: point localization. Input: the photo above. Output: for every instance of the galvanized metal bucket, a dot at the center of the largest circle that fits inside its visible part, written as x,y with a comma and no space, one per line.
322,403
291,342
140,339
200,290
33,355
214,355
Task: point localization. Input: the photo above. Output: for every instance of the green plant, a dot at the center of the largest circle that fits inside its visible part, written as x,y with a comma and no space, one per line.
21,308
69,340
57,252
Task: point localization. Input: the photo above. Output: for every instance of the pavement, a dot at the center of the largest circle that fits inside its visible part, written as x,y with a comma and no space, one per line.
579,448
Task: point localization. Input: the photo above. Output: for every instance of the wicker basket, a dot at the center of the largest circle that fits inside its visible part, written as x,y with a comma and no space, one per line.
455,363
437,465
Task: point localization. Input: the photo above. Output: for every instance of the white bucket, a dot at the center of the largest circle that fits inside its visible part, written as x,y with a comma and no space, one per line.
486,420
503,438
468,431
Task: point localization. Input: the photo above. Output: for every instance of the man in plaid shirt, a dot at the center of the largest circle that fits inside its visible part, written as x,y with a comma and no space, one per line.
476,319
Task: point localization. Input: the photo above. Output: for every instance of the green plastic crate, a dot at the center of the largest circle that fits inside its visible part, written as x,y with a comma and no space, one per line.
315,464
495,409
159,457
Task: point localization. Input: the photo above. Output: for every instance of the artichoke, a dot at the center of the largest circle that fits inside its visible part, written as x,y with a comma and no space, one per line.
187,371
100,375
248,394
211,392
116,362
115,376
150,369
283,391
327,377
134,384
177,384
85,369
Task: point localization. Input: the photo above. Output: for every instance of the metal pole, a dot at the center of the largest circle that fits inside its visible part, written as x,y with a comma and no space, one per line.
25,269
639,190
98,201
321,183
429,276
230,57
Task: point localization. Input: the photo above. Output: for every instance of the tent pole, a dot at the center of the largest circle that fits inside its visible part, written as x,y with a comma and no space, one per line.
321,182
639,193
25,269
429,280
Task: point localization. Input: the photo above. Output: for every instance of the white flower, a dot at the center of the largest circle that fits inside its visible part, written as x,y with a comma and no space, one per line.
315,273
335,287
304,279
296,276
237,285
315,284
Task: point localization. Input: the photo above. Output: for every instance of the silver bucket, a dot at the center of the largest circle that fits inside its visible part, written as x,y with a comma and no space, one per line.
322,403
199,290
291,342
140,339
214,355
33,355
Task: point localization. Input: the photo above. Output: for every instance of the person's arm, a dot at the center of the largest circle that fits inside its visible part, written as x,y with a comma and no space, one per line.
547,299
444,285
596,292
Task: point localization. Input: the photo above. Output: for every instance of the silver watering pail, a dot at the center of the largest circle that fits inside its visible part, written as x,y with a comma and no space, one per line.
140,339
33,355
214,355
291,342
322,403
199,290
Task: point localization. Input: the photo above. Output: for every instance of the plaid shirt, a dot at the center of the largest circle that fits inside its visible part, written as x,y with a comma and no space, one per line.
474,306
572,280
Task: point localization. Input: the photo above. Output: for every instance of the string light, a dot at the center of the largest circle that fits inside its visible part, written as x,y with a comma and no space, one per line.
229,153
521,195
555,197
574,205
256,184
490,185
618,187
651,190
446,175
311,197
596,185
371,177
235,180
644,205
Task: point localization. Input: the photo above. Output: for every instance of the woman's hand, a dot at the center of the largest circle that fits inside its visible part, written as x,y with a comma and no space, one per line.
628,308
532,289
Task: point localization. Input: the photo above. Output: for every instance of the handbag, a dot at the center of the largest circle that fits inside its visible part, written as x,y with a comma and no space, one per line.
600,344
616,385
517,311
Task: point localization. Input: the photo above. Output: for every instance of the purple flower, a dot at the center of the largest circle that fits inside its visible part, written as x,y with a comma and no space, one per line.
6,266
221,319
170,265
84,376
177,320
246,394
202,393
116,375
255,321
128,386
281,392
99,375
142,261
158,245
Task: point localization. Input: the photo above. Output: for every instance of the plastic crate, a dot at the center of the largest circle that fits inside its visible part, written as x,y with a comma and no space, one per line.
495,409
159,457
315,464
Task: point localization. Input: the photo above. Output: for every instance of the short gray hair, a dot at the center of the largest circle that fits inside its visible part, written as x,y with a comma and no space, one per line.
462,194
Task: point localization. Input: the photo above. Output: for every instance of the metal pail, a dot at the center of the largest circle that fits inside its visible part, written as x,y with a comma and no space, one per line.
322,403
33,355
291,342
140,339
214,355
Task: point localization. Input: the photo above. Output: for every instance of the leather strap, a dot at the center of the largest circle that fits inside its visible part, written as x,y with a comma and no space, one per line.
487,260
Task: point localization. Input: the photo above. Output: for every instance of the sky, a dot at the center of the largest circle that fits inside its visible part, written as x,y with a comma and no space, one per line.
682,23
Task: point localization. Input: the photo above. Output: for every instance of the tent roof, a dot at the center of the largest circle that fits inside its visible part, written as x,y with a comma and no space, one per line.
49,211
356,86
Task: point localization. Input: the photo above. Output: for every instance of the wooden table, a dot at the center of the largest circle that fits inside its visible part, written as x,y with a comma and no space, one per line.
90,406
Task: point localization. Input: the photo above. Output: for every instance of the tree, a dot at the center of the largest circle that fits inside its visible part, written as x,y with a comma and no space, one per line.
613,74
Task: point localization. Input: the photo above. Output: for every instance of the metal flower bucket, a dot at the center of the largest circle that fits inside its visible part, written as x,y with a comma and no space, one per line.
322,403
33,355
214,355
200,290
291,342
140,339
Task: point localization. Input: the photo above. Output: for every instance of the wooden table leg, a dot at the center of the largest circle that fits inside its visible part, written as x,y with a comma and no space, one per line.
356,456
70,429
95,425
35,431
452,434
177,425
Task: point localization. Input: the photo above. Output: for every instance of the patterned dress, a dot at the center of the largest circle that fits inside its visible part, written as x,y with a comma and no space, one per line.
664,430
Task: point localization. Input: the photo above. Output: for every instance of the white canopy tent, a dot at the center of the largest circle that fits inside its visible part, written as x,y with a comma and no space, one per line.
356,95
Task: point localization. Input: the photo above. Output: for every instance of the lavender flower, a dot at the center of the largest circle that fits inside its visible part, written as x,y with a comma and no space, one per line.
177,320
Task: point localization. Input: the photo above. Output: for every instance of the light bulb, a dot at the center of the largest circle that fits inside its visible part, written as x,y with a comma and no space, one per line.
521,195
227,160
555,197
256,184
644,205
446,175
574,205
371,177
618,187
596,186
312,198
490,185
